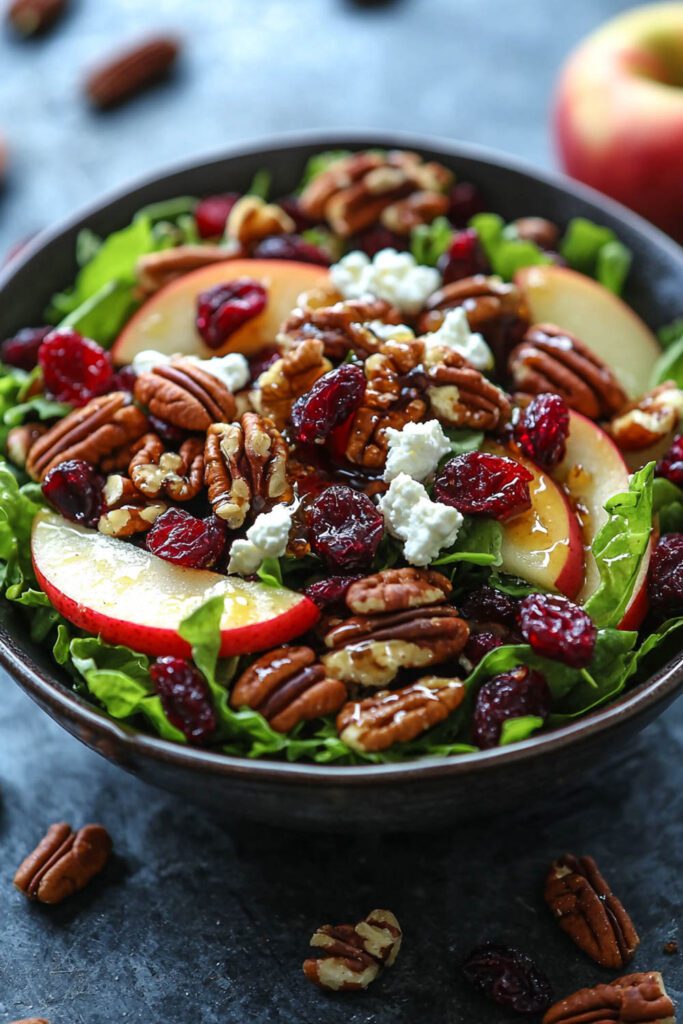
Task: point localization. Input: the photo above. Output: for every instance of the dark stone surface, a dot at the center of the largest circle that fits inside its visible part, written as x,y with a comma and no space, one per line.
193,921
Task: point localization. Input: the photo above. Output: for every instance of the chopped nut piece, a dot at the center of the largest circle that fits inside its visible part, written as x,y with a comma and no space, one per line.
127,510
580,899
343,327
178,475
183,394
157,269
288,378
353,955
252,219
63,862
128,73
651,418
633,999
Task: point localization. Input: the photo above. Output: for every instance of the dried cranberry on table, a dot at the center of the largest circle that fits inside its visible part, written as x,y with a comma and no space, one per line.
478,483
509,977
76,490
223,309
344,527
184,697
512,694
211,214
542,430
670,466
328,403
22,349
557,628
463,258
330,591
179,537
290,247
465,202
665,581
75,369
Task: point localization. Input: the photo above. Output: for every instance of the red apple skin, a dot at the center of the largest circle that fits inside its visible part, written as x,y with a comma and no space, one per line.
618,118
159,642
570,580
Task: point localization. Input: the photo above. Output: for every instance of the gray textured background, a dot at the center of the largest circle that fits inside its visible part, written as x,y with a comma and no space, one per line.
193,921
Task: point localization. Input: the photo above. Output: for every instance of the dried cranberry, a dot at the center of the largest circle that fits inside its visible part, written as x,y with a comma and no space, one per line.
22,349
480,644
670,466
477,483
511,694
463,258
223,309
211,214
180,537
260,362
486,604
75,369
542,430
345,528
124,379
290,247
466,201
331,400
665,584
292,207
557,628
509,977
167,431
184,697
75,488
330,591
375,239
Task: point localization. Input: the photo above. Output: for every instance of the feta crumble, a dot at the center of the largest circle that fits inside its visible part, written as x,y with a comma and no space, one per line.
391,275
455,334
424,526
232,369
415,450
266,538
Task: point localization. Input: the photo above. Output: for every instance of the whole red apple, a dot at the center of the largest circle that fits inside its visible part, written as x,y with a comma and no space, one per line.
619,113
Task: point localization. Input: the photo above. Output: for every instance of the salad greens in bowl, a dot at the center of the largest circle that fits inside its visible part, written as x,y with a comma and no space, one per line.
346,463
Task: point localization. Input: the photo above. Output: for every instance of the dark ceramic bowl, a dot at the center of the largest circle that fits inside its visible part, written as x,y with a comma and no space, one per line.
406,796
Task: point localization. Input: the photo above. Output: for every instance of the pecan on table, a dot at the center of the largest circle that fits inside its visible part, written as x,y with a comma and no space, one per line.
288,685
245,468
95,433
63,862
394,590
461,396
342,327
184,395
176,475
494,309
369,187
33,17
650,419
157,269
633,999
288,378
251,220
397,716
128,73
550,359
581,901
127,511
353,955
30,1020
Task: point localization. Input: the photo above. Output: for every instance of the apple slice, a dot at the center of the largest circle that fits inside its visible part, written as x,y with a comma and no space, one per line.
129,596
599,318
166,322
543,545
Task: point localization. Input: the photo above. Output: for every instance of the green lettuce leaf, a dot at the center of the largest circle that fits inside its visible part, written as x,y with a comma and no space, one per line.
516,729
38,408
463,440
12,382
102,315
479,542
619,548
270,572
669,366
505,252
613,265
668,504
428,242
595,250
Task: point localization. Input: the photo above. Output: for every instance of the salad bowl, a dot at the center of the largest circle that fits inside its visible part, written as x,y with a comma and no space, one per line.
403,794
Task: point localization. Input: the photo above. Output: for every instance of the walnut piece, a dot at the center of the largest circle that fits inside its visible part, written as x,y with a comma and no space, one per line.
177,475
127,511
353,955
650,419
288,378
63,862
186,396
342,327
633,999
251,220
461,396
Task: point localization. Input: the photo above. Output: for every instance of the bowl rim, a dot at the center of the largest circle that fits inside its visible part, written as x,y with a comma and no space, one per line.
62,702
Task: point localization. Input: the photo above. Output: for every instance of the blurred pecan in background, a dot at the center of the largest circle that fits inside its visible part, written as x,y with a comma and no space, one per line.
633,999
581,901
63,862
650,419
131,71
353,955
156,269
252,219
31,17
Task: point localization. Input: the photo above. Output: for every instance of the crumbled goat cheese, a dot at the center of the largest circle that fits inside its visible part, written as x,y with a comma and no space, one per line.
266,538
424,526
415,450
455,334
391,275
232,370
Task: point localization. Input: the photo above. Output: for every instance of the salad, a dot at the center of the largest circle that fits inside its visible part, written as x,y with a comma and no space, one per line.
356,474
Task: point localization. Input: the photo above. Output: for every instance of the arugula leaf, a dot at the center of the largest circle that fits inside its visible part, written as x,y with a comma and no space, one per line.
260,184
516,729
319,163
36,408
669,366
619,548
506,253
595,250
463,440
479,541
102,315
428,242
613,264
11,383
668,504
270,572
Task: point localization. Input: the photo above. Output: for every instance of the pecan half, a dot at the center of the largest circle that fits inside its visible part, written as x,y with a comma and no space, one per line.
651,418
94,433
127,510
157,269
31,17
128,73
342,327
288,686
178,475
580,899
353,955
288,378
633,999
251,219
63,862
397,716
245,468
421,207
394,590
461,396
550,359
543,233
183,394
